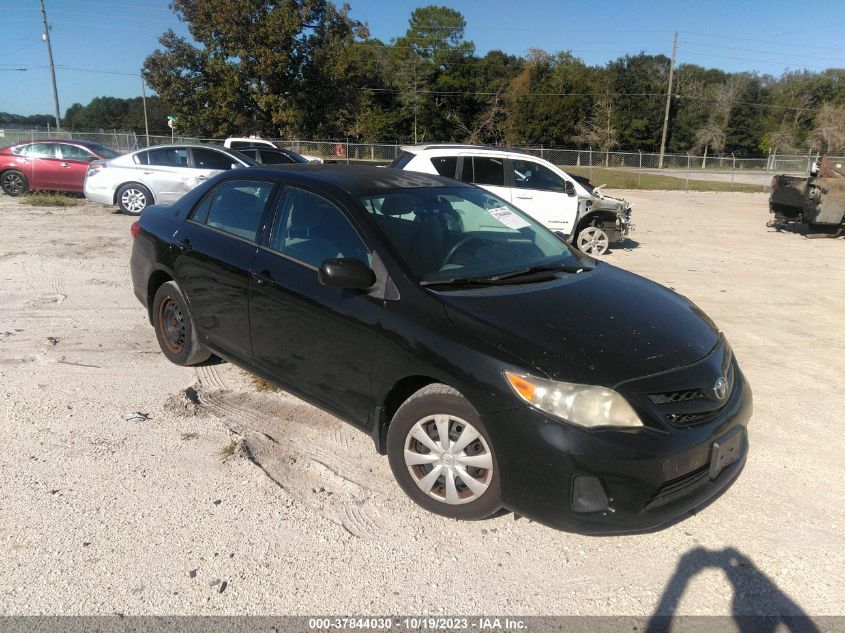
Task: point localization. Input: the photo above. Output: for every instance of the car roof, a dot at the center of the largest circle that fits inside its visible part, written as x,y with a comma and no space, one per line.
187,145
461,147
67,141
352,179
263,148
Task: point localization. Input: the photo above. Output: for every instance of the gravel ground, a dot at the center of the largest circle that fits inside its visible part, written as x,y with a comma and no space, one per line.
232,500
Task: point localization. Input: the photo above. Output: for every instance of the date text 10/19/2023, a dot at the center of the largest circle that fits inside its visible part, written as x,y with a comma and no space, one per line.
422,623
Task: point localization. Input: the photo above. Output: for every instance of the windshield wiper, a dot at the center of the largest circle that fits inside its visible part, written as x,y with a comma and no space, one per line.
540,268
509,277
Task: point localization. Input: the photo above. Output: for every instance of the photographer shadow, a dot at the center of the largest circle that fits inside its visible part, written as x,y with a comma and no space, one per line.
758,606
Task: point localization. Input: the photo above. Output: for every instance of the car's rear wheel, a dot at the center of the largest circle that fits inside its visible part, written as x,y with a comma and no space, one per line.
174,327
14,183
133,198
592,240
442,456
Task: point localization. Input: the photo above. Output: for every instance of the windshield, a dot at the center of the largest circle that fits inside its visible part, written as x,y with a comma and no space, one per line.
447,233
297,158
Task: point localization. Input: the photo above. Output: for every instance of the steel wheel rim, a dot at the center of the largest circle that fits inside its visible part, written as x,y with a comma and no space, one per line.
133,200
448,459
13,183
172,324
592,240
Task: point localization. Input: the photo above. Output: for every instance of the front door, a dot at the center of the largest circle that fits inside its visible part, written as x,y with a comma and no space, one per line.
214,250
541,194
40,163
317,339
74,164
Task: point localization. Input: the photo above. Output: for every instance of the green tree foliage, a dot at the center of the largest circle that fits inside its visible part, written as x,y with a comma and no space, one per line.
306,68
268,66
107,113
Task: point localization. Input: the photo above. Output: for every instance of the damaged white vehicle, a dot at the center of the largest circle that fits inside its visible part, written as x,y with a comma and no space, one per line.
569,206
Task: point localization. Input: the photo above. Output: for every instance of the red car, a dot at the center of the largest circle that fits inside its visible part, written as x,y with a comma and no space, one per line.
52,165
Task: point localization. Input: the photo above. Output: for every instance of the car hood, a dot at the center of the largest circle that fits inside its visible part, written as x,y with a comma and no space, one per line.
602,327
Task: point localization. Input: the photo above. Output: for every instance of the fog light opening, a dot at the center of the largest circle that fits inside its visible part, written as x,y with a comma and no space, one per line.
588,494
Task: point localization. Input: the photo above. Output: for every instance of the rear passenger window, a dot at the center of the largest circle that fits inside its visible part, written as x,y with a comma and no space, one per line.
235,207
487,171
311,229
274,158
168,157
445,166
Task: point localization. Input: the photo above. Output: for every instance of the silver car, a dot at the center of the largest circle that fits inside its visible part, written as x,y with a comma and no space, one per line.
156,175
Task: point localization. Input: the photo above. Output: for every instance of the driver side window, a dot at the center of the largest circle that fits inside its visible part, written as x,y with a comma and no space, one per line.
311,230
530,175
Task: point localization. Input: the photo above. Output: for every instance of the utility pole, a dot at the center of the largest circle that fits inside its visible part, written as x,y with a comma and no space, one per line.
46,37
668,101
144,100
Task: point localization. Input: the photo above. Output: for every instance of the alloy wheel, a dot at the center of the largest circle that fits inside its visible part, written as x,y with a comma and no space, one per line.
133,200
448,459
13,184
593,241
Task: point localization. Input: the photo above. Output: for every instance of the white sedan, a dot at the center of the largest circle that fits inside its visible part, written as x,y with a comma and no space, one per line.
156,175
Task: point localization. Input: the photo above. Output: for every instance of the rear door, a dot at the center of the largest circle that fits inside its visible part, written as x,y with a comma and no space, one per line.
213,252
74,164
539,192
317,339
487,172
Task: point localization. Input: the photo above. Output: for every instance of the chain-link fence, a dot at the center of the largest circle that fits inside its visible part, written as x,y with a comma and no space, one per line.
733,170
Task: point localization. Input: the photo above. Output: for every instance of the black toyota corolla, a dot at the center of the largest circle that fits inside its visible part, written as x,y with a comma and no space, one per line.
492,363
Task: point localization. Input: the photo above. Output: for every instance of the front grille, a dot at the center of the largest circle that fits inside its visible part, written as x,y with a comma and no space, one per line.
676,396
677,487
687,419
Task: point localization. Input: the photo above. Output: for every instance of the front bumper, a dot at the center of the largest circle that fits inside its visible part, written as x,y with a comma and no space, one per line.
650,478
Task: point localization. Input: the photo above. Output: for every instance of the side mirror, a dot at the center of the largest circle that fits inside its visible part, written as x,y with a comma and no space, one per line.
346,272
568,187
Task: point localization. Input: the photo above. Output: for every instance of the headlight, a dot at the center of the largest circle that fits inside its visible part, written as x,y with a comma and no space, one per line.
584,405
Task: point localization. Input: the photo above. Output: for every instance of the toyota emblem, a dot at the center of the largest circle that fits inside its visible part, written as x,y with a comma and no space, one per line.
720,389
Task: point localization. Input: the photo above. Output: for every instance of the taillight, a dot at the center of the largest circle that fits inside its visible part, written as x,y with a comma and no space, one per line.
135,228
94,167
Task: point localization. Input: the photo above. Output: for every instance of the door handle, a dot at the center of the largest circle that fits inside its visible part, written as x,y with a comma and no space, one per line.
147,172
185,245
524,197
202,177
64,165
263,278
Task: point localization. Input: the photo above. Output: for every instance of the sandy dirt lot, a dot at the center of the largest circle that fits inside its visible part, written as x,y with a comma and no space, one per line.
102,515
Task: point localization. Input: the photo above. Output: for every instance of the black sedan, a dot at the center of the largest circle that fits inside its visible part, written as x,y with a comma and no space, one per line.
492,363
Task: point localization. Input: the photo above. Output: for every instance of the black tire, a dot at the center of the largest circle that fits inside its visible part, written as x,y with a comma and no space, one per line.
174,326
133,198
440,399
14,182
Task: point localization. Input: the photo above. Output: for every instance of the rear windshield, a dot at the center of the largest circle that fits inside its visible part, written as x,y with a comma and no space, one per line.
400,161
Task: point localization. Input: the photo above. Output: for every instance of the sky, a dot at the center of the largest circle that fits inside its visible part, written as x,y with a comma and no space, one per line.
115,36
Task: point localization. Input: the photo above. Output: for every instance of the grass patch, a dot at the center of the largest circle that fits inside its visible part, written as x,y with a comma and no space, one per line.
50,200
228,450
262,385
190,436
626,179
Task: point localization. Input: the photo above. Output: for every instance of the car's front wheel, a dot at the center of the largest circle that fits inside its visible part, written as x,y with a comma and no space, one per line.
14,183
133,198
442,456
174,327
592,240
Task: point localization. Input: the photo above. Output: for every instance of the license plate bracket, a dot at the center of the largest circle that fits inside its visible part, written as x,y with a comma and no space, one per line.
726,450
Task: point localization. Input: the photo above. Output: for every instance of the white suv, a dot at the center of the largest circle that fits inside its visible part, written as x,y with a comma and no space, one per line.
567,205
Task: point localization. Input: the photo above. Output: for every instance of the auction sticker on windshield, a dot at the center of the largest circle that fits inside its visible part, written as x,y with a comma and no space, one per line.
508,217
